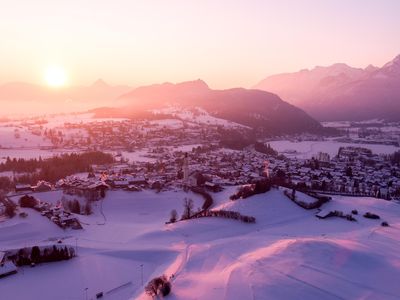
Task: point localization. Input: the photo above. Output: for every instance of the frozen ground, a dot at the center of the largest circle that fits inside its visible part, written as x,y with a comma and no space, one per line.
287,254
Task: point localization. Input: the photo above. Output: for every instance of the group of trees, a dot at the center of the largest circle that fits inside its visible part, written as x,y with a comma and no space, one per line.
235,139
158,286
227,214
54,168
247,190
28,201
36,255
238,140
187,209
6,183
75,206
9,206
266,149
395,157
88,194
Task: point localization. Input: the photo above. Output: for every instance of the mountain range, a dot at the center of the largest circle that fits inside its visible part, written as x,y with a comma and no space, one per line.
257,109
341,92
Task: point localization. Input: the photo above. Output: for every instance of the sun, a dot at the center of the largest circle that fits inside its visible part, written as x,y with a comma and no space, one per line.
55,76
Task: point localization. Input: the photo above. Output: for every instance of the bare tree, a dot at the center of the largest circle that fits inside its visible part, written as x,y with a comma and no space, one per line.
187,208
174,216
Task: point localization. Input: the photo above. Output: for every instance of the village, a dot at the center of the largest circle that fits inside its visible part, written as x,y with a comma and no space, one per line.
176,156
167,154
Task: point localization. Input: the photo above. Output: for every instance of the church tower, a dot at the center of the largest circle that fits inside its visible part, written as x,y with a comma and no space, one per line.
186,168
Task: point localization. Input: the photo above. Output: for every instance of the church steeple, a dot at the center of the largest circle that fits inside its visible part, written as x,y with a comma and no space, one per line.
186,168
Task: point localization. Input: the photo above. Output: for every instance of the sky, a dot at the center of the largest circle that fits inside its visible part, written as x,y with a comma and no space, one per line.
226,43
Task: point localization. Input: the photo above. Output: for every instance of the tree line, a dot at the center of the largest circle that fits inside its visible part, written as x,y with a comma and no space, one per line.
37,255
53,168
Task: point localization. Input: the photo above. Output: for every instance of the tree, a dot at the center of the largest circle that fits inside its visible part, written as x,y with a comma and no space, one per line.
349,171
28,201
35,254
71,252
67,253
174,216
158,285
88,208
187,208
166,288
74,206
10,207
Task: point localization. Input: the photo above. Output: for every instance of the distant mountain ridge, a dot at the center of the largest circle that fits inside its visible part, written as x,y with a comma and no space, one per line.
254,108
18,96
341,92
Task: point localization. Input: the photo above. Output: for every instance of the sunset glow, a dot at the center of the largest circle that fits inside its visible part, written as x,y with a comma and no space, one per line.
55,76
197,150
225,43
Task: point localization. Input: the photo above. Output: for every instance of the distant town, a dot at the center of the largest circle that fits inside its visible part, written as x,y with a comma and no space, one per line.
170,153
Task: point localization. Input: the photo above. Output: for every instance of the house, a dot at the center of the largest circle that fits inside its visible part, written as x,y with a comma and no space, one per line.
133,188
324,213
212,186
23,188
120,183
6,267
42,186
138,180
157,185
195,178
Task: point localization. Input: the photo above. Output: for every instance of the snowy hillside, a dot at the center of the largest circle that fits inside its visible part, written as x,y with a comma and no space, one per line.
287,254
197,115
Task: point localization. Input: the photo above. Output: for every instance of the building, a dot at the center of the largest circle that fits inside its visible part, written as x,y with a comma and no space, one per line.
6,267
43,186
23,188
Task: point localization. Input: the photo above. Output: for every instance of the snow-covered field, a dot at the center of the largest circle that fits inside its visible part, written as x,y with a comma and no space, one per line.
307,149
287,254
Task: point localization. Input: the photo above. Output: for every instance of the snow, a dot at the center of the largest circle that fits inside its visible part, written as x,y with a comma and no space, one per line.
287,254
197,115
138,156
25,140
79,118
301,197
307,149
